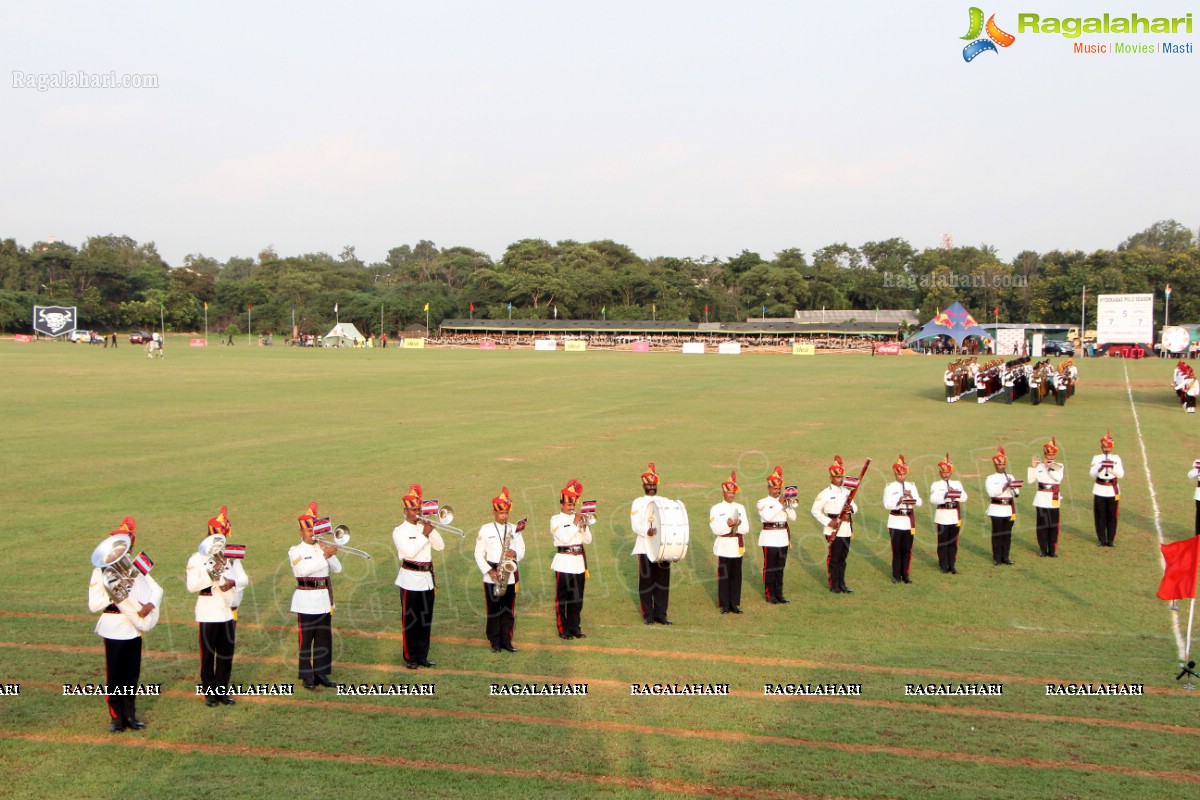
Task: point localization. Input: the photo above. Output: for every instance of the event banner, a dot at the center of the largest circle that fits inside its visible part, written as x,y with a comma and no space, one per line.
545,344
198,343
1125,318
730,348
575,345
804,349
694,347
414,344
888,349
487,344
641,347
54,320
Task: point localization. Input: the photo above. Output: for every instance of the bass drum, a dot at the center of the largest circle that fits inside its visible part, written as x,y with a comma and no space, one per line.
670,520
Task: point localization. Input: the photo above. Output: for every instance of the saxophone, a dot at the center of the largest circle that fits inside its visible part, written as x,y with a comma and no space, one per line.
507,566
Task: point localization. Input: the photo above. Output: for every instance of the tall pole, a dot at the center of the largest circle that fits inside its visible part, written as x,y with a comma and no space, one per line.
1167,312
381,319
249,323
206,324
1083,317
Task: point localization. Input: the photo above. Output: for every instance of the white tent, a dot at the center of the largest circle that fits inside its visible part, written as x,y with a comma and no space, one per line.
344,334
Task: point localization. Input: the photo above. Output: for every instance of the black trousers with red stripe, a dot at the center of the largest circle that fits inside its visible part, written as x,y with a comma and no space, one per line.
1104,514
1047,530
1198,517
1001,538
654,588
839,551
947,536
216,654
568,601
123,667
729,582
902,545
774,562
501,614
316,645
417,608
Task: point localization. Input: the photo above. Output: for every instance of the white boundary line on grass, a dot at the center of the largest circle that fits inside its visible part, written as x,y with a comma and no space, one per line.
1153,502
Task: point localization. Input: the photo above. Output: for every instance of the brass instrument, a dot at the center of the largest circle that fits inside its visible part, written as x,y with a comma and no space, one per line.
791,497
507,566
340,540
441,519
213,548
587,510
111,557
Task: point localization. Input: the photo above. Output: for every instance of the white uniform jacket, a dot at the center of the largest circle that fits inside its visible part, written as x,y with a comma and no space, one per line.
828,505
487,548
567,534
718,522
1106,477
771,509
1051,478
308,561
215,605
1194,474
639,521
892,493
411,545
937,495
117,626
995,485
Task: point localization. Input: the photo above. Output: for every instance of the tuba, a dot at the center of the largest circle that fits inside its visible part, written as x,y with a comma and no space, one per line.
213,548
111,557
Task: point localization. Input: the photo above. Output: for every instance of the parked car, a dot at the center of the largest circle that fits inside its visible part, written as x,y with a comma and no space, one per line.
140,337
1055,347
87,337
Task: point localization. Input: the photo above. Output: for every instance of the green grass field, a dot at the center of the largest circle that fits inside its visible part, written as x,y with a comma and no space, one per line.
91,435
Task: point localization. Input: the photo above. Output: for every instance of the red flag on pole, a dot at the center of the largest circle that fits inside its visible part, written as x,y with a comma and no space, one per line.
472,306
249,306
1183,562
706,308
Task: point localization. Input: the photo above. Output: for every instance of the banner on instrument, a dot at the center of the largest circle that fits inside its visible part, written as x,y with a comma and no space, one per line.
54,320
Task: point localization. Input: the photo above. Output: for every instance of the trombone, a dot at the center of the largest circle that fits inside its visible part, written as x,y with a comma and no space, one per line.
340,539
439,517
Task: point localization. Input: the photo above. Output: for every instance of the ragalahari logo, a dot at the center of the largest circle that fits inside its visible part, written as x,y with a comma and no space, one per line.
995,36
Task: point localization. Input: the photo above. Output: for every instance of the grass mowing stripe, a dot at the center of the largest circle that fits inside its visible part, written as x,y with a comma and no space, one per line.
1154,504
919,754
968,677
248,751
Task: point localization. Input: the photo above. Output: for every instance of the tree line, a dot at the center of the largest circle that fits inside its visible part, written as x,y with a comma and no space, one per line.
119,284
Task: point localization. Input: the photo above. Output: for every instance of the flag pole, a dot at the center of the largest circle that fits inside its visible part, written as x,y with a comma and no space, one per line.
249,323
206,324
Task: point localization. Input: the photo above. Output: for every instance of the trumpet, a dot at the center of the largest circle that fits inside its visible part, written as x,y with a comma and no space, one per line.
791,497
587,512
439,517
340,540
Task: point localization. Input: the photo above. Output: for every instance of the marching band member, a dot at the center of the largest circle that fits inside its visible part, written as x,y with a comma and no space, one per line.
500,543
122,640
1048,499
312,602
1194,474
775,537
900,499
571,532
1002,509
1107,469
947,497
216,602
728,523
654,579
826,510
415,541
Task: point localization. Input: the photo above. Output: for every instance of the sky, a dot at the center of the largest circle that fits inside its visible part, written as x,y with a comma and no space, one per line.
682,129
